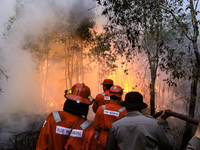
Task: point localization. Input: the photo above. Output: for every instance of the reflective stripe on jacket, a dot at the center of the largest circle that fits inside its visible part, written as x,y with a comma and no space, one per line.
56,128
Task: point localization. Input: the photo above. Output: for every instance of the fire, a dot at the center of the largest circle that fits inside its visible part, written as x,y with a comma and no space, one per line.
51,104
157,109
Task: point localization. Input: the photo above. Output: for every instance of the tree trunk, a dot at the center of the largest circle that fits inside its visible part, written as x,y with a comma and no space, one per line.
68,64
153,57
152,90
45,91
72,66
98,74
193,95
82,66
65,51
77,66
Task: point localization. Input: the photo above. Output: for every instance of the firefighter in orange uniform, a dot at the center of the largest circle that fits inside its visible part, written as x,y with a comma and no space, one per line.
107,114
103,98
69,129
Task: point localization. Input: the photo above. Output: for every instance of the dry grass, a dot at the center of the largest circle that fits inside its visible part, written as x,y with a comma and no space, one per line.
21,141
21,131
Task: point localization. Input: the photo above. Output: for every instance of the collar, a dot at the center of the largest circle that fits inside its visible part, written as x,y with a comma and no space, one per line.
133,113
111,102
106,91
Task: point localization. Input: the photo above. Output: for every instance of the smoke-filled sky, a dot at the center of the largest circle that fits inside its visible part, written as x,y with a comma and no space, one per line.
23,86
23,92
6,9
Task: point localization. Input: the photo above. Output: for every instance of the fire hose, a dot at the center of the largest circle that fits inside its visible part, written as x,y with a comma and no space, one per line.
177,115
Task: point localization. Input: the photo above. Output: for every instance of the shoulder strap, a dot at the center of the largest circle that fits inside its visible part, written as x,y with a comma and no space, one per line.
73,128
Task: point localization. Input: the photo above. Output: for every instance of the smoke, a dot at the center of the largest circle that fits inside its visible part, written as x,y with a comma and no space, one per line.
23,95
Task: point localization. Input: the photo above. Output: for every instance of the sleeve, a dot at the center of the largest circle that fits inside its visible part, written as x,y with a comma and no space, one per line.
97,119
193,144
42,143
111,143
93,142
97,103
123,113
164,136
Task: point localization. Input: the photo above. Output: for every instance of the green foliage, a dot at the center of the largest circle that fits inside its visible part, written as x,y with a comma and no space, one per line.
177,58
84,29
100,51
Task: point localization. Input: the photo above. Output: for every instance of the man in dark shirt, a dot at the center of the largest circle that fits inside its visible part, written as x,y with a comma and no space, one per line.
136,131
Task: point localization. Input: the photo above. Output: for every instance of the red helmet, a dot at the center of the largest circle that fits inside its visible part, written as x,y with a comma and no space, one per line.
79,93
116,90
107,81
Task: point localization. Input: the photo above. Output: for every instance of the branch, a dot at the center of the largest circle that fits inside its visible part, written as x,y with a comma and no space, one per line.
169,9
196,4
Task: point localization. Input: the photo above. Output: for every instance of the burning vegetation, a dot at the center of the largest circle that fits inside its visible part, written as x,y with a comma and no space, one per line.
50,45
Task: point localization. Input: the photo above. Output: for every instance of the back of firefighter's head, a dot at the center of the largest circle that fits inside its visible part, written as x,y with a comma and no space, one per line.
78,100
116,92
107,84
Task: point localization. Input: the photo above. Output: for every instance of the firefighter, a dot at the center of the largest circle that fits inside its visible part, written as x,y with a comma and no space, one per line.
69,129
107,114
136,131
194,143
103,98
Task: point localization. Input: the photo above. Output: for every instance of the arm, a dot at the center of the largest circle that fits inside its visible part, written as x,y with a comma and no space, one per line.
42,143
93,141
165,137
96,103
111,143
97,119
194,143
163,133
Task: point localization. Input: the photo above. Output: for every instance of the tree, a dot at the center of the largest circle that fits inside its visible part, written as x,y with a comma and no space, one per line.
175,8
135,27
100,52
84,34
64,29
2,73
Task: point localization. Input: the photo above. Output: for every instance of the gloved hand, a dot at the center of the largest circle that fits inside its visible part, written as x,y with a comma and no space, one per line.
163,116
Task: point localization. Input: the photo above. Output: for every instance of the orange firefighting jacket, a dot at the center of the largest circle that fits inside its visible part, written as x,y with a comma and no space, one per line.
101,99
56,128
105,116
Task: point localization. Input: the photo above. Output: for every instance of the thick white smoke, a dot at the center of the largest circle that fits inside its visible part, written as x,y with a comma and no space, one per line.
22,93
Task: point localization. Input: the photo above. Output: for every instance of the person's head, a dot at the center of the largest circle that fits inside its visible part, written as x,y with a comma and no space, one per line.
134,101
107,84
78,100
116,93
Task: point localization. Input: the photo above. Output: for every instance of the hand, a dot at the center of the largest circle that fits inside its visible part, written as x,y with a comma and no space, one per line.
197,133
163,116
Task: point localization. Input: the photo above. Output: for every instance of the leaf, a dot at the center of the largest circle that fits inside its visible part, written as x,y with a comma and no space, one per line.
181,9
